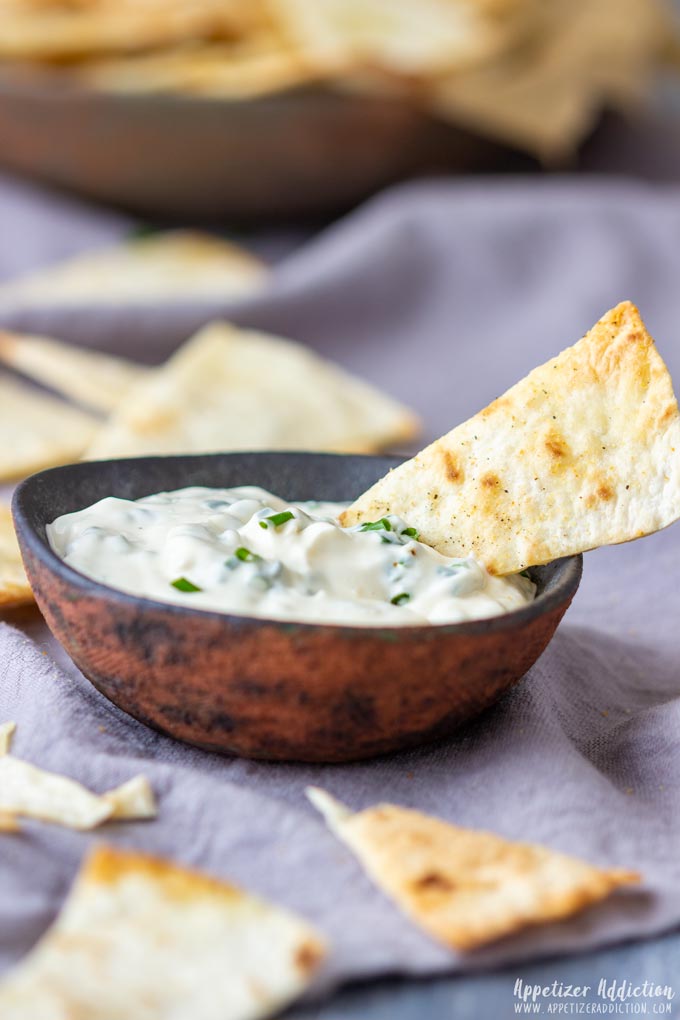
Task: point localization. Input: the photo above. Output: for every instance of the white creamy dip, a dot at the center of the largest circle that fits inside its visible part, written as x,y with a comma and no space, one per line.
247,552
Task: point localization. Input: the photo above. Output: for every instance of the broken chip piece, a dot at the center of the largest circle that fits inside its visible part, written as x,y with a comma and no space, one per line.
33,792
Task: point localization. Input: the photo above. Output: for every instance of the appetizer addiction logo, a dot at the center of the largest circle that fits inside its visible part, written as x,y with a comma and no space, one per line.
609,997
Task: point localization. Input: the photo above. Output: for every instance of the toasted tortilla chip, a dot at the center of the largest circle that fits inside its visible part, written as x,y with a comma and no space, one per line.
397,36
55,32
94,380
38,431
464,887
545,95
33,792
231,389
8,822
141,938
14,587
241,71
6,733
133,800
583,452
175,266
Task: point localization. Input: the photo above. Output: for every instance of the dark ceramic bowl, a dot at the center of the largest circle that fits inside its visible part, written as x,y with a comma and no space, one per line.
263,688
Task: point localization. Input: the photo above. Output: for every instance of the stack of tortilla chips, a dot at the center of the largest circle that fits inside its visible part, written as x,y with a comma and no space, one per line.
532,73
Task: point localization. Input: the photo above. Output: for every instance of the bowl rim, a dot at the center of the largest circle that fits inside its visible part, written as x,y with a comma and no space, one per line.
570,567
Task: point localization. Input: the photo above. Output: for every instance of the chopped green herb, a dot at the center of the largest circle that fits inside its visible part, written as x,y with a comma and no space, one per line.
382,525
398,599
246,555
182,584
263,524
411,533
278,519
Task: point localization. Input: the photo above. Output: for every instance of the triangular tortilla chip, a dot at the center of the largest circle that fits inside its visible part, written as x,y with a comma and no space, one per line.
231,389
14,587
38,431
172,267
97,381
583,452
141,938
465,887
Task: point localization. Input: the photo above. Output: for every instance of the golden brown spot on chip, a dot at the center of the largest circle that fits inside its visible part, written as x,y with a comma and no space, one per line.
307,956
556,445
107,866
453,469
433,880
605,492
490,480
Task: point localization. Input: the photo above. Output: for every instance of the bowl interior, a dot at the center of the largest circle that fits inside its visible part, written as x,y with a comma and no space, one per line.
294,476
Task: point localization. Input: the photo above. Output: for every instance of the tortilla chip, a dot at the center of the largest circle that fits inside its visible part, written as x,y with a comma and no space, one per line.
176,266
133,800
96,381
38,431
33,792
53,33
242,71
583,452
14,587
231,389
545,95
464,887
397,36
6,733
141,938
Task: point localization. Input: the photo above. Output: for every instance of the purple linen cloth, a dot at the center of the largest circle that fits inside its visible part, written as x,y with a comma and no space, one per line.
444,294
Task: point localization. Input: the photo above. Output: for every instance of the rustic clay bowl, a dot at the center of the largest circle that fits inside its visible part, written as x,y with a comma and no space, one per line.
260,688
304,153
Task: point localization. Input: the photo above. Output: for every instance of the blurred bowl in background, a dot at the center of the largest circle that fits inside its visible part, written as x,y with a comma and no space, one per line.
308,152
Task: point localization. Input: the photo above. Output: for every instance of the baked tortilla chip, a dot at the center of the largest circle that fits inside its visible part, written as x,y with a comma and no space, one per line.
141,938
396,36
241,71
67,31
464,887
14,587
96,381
38,431
231,389
583,452
132,801
175,266
33,792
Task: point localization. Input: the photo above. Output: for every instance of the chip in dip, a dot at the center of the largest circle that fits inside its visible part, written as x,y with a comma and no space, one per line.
245,551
